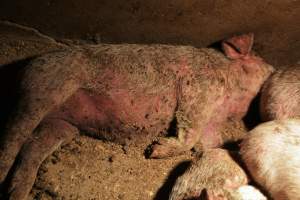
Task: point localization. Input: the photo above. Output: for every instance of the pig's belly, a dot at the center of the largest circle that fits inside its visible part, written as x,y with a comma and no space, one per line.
119,113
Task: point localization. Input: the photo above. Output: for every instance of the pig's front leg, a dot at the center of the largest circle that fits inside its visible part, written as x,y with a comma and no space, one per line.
189,132
174,146
191,119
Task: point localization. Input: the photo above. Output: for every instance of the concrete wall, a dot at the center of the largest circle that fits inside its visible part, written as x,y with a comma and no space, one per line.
276,23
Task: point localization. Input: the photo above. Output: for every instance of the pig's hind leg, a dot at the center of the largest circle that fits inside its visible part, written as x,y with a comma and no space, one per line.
47,82
48,136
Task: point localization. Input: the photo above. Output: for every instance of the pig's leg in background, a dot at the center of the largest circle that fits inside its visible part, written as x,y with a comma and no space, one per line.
214,172
47,82
48,137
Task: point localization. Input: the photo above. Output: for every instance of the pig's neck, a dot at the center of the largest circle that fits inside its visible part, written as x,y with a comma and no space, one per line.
238,93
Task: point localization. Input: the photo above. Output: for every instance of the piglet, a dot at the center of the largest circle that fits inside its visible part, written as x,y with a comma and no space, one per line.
215,175
271,154
280,95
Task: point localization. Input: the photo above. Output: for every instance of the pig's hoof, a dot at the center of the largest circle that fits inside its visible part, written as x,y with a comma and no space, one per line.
167,147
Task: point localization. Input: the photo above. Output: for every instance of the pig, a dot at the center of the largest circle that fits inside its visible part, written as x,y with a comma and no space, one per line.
271,154
215,175
270,151
127,91
249,192
280,95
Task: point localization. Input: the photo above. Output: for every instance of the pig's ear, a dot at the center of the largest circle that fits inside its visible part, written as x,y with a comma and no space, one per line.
238,46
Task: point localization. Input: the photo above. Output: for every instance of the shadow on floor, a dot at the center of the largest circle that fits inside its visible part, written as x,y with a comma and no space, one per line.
165,190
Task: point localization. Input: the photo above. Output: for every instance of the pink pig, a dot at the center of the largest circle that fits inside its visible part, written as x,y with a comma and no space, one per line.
128,91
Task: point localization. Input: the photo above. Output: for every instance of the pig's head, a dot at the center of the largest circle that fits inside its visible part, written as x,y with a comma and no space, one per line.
252,70
247,73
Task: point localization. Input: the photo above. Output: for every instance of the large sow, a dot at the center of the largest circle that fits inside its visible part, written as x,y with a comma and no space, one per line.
127,91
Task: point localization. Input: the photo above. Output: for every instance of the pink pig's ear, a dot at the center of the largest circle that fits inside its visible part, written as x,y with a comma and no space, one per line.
238,46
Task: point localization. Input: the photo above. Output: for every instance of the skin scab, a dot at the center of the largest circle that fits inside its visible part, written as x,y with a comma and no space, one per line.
277,130
181,69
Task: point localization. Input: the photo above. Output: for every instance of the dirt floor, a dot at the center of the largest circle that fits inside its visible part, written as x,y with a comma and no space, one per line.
88,168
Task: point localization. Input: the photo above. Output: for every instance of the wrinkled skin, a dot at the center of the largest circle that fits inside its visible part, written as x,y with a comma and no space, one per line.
128,91
280,96
271,154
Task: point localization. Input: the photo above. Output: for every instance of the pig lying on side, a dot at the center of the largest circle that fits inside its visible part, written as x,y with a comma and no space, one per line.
128,91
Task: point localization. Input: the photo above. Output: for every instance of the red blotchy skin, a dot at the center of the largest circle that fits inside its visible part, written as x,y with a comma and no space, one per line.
96,113
129,92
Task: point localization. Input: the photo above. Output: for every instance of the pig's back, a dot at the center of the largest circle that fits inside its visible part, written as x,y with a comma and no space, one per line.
151,66
280,97
271,153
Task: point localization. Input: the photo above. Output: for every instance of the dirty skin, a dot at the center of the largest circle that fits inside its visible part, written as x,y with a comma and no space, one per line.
129,91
